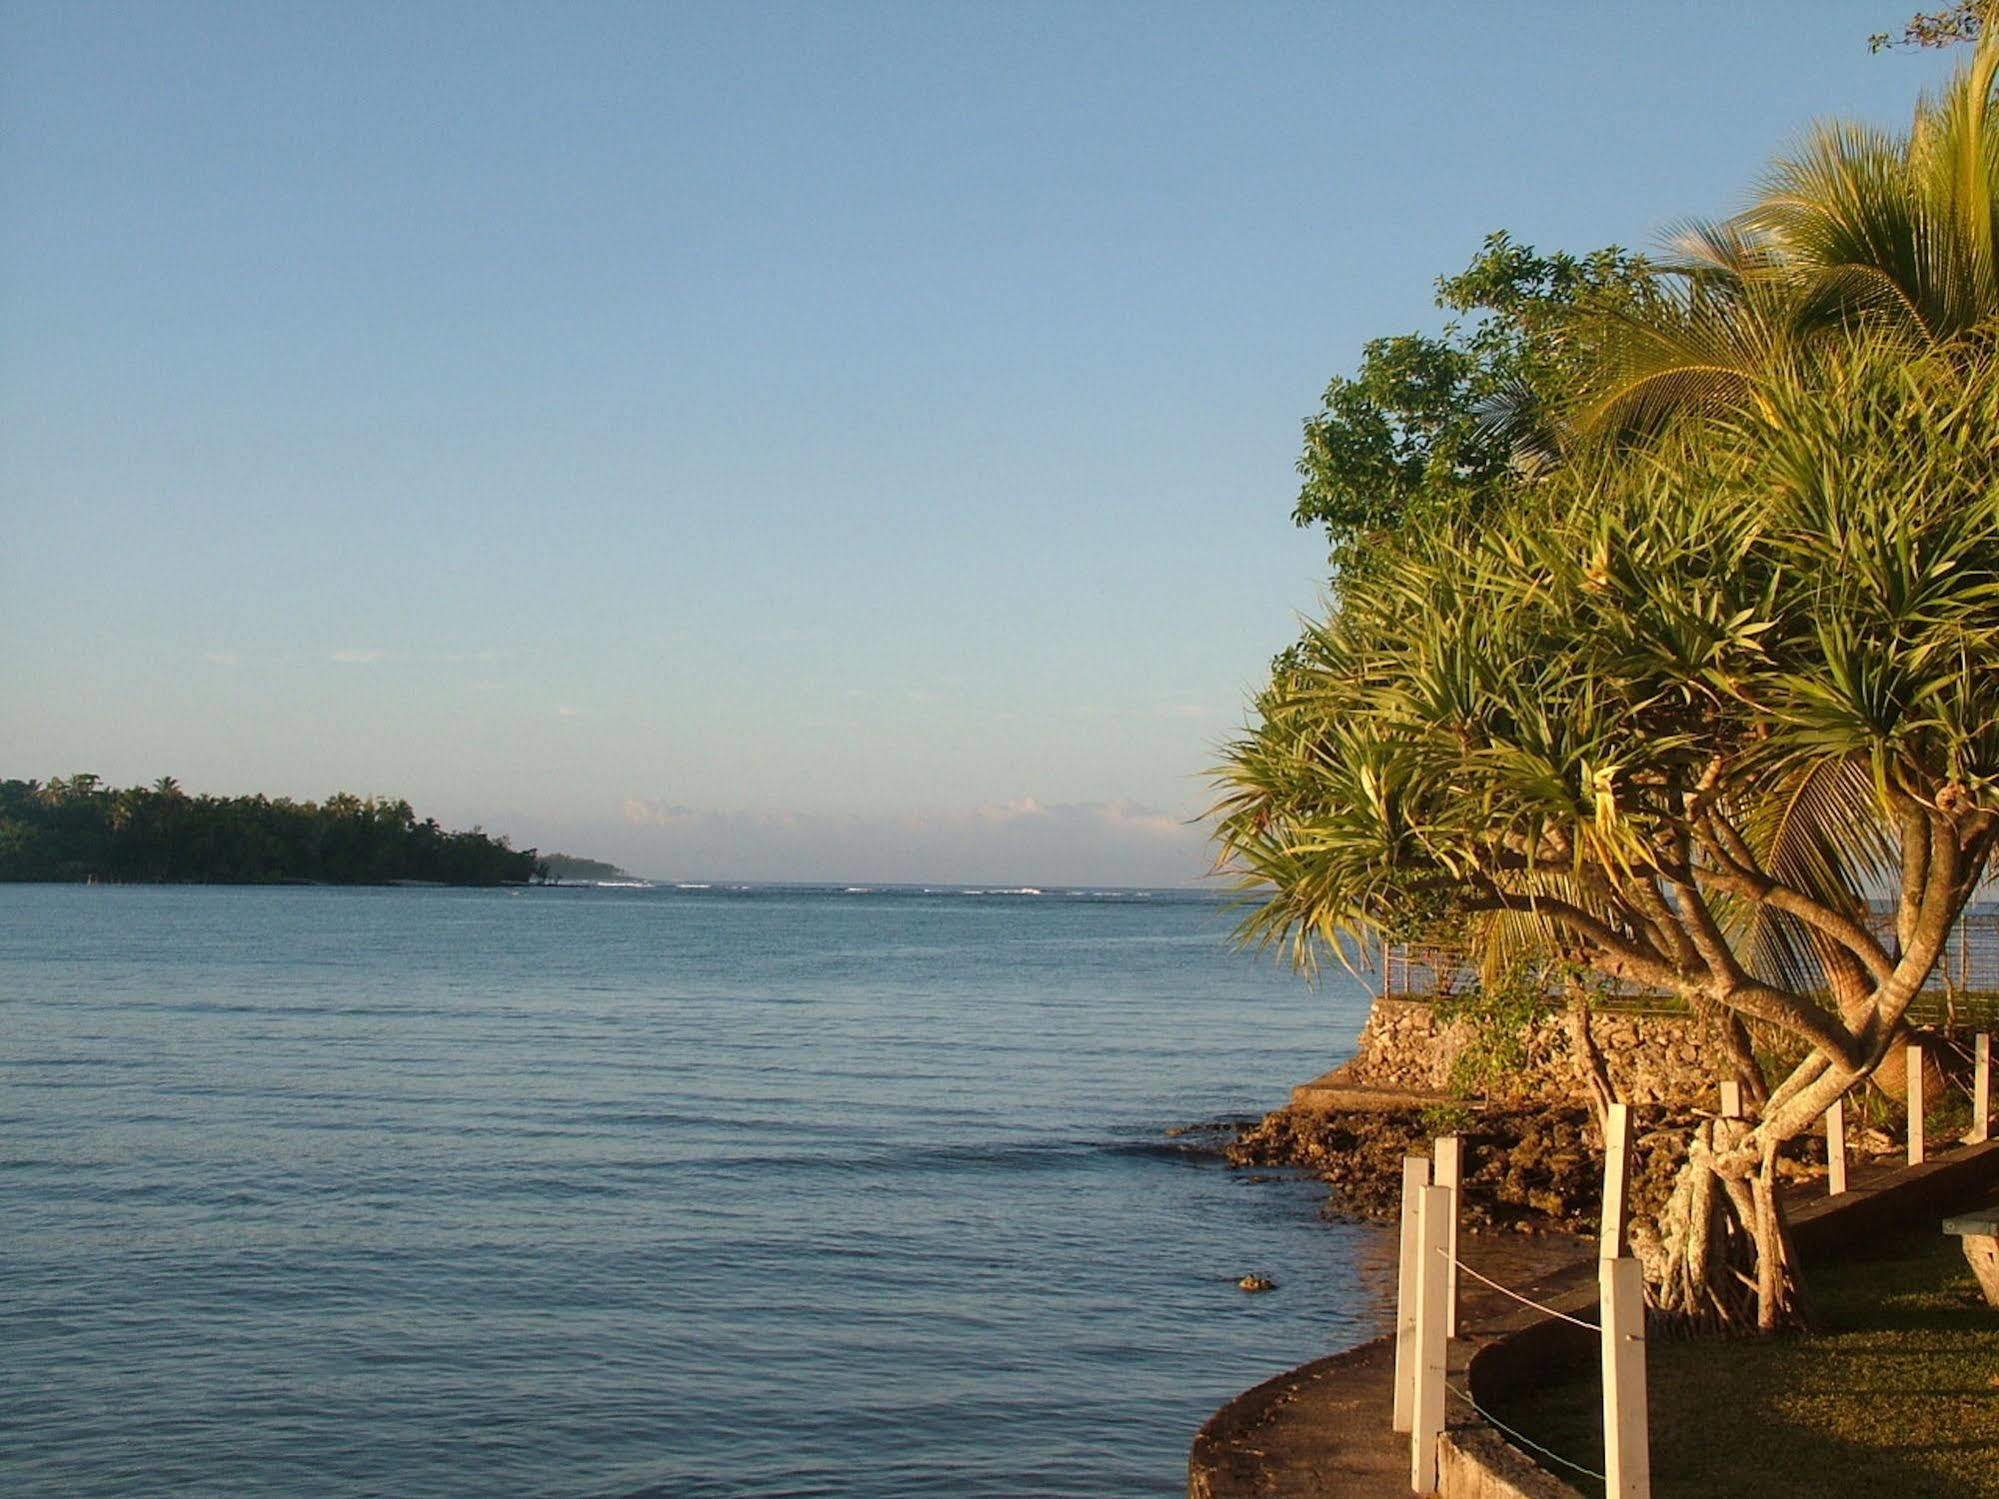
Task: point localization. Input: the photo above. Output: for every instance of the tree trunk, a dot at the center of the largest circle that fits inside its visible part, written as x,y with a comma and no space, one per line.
1592,1073
1719,1257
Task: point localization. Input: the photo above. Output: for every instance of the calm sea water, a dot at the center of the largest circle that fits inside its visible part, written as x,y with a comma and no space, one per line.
642,1192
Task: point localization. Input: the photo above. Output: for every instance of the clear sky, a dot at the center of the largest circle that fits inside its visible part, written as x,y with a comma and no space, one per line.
819,441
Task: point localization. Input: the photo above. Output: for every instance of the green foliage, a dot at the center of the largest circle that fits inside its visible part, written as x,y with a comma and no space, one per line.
1518,712
1500,1015
1447,1119
1855,229
80,829
1435,424
1739,613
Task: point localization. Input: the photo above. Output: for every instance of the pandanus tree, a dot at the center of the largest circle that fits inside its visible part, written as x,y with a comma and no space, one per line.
1855,229
1676,718
1682,707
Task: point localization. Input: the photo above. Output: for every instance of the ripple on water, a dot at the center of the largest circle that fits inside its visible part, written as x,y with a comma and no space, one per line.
641,1192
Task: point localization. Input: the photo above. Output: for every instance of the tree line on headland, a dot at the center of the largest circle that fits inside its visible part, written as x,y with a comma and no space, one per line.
79,829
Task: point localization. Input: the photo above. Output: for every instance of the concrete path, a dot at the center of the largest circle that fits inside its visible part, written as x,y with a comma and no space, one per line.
1321,1430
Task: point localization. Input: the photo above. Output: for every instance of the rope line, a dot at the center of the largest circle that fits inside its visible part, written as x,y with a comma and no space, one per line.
1525,1441
1524,1301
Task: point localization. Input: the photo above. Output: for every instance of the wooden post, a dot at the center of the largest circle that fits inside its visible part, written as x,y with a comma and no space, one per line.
1415,1178
1432,1345
1627,1448
1616,1181
1835,1148
1450,1170
1981,1088
1915,1104
1731,1099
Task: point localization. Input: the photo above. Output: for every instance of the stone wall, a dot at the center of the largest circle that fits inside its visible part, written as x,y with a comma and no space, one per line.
1652,1057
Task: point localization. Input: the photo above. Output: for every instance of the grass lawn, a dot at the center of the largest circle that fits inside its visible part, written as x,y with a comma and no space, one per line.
1897,1395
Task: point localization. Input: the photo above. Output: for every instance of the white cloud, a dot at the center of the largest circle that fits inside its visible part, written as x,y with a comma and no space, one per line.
1133,817
222,658
450,658
643,810
566,711
1012,811
353,657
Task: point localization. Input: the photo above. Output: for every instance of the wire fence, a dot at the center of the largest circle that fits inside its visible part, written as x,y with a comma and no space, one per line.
1538,1306
1521,1437
1544,1454
1962,990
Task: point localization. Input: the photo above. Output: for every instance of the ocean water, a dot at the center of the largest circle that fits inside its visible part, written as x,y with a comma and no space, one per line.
643,1192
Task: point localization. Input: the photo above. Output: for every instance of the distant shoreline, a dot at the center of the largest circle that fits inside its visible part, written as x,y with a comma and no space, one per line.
1054,894
77,830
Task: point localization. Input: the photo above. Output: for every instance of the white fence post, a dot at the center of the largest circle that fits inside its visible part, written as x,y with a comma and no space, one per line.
1616,1180
1450,1170
1915,1103
1415,1178
1432,1346
1835,1147
1627,1447
1731,1099
1981,1088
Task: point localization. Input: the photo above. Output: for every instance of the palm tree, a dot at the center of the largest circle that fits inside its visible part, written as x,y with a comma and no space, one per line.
1857,228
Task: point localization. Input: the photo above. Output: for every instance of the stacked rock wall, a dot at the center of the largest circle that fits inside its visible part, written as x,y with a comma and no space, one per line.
1651,1057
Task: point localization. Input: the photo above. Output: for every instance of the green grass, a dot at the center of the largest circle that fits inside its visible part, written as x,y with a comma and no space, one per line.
1898,1394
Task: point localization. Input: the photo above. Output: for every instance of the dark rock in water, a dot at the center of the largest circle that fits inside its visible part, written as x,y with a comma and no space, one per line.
1255,1283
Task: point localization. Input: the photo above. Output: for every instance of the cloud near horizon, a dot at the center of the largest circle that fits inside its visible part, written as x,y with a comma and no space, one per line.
1026,841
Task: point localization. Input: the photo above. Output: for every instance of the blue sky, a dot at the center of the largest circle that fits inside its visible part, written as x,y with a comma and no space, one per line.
761,441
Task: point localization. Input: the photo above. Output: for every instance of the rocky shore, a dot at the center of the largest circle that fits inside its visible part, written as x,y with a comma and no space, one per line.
1527,1170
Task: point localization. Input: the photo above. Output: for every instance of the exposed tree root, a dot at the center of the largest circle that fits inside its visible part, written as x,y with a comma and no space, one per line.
1718,1258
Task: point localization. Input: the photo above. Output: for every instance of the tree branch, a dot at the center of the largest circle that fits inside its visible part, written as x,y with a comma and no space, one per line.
1634,961
1761,888
1718,957
1652,905
1788,1011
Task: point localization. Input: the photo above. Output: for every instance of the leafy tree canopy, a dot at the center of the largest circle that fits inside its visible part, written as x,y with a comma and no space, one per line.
80,829
1438,423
